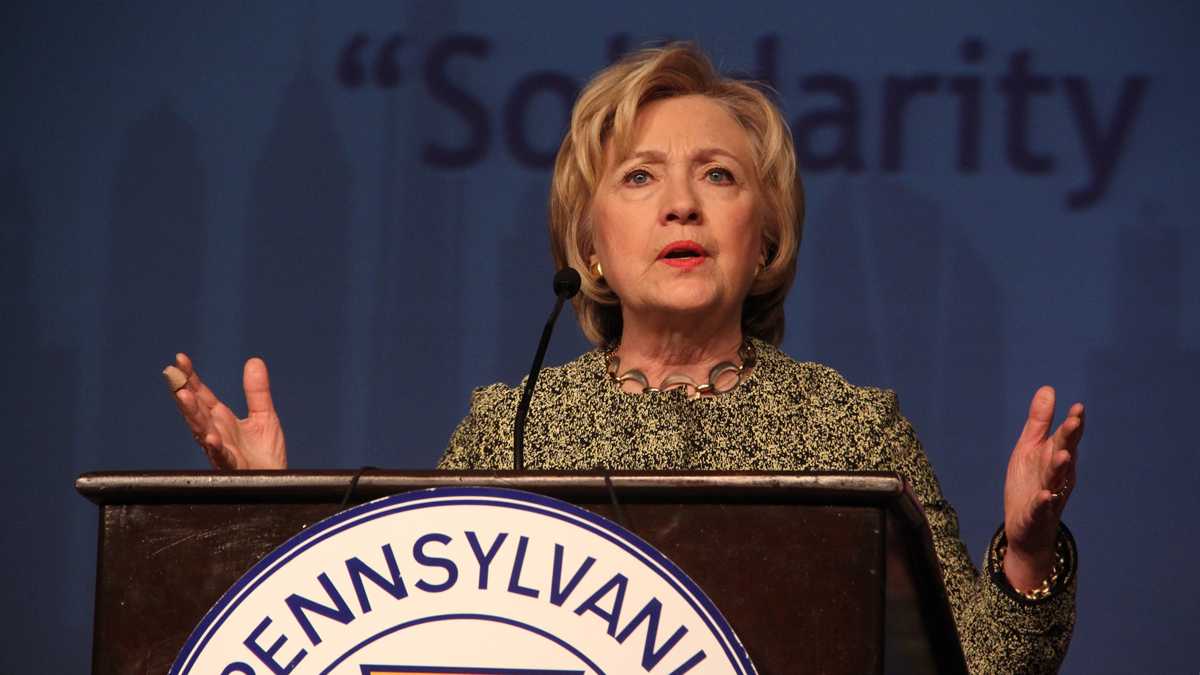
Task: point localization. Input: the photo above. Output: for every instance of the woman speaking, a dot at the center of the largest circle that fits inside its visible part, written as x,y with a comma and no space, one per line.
675,194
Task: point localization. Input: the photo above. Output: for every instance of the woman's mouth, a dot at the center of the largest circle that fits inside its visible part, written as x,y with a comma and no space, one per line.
683,254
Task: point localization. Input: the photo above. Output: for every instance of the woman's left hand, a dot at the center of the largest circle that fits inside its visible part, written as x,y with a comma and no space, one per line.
1040,479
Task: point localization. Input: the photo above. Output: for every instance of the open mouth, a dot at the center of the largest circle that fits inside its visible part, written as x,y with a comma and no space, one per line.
682,252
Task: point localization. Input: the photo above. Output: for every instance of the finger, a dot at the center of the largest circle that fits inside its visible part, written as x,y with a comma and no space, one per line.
218,455
205,395
1063,433
1045,502
1061,481
1053,505
1042,505
1059,469
1073,439
220,426
175,378
257,384
1069,433
194,414
184,363
1069,476
1041,415
1050,476
211,451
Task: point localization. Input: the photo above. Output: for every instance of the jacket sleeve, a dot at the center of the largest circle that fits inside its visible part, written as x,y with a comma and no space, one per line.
1000,630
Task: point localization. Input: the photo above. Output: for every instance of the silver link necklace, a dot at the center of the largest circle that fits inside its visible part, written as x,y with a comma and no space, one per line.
724,377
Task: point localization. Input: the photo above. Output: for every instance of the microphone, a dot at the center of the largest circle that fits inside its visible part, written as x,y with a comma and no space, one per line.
566,285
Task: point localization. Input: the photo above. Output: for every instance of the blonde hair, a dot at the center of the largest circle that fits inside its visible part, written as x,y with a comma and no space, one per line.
605,112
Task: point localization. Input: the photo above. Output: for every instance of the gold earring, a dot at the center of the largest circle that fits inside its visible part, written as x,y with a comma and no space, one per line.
597,270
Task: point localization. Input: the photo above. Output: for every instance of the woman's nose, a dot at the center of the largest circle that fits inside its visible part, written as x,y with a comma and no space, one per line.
680,204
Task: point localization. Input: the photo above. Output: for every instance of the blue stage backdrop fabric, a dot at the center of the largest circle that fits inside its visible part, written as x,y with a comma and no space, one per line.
998,197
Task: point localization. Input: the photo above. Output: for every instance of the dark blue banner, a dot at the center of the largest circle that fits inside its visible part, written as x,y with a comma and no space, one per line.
997,199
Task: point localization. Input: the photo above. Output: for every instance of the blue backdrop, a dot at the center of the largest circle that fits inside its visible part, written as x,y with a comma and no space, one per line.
998,198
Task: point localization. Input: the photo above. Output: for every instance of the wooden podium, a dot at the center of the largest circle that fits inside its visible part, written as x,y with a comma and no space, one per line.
816,572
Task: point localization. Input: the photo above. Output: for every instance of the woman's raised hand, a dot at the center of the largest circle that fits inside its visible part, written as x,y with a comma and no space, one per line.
255,442
1040,479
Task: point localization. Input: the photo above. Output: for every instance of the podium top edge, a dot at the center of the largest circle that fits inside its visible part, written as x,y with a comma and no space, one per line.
132,487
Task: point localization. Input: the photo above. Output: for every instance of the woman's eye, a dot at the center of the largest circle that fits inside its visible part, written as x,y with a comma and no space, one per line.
718,175
638,177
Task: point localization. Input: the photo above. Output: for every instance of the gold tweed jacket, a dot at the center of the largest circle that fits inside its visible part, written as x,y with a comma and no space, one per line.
786,416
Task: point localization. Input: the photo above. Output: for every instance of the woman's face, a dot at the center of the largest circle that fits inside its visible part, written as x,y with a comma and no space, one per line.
677,223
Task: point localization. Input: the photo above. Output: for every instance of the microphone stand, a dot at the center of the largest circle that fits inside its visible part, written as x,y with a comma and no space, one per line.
566,285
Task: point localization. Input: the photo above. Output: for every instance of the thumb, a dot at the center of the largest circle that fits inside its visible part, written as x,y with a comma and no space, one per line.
258,387
1041,415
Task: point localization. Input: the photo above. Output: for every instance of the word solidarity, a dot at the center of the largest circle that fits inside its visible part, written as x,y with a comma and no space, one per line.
829,121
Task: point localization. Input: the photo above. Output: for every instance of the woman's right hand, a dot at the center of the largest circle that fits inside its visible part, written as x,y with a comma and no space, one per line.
255,442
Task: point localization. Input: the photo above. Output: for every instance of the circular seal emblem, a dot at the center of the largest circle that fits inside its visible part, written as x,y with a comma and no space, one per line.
473,581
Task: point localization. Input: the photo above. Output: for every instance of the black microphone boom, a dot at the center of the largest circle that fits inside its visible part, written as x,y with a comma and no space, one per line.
566,285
